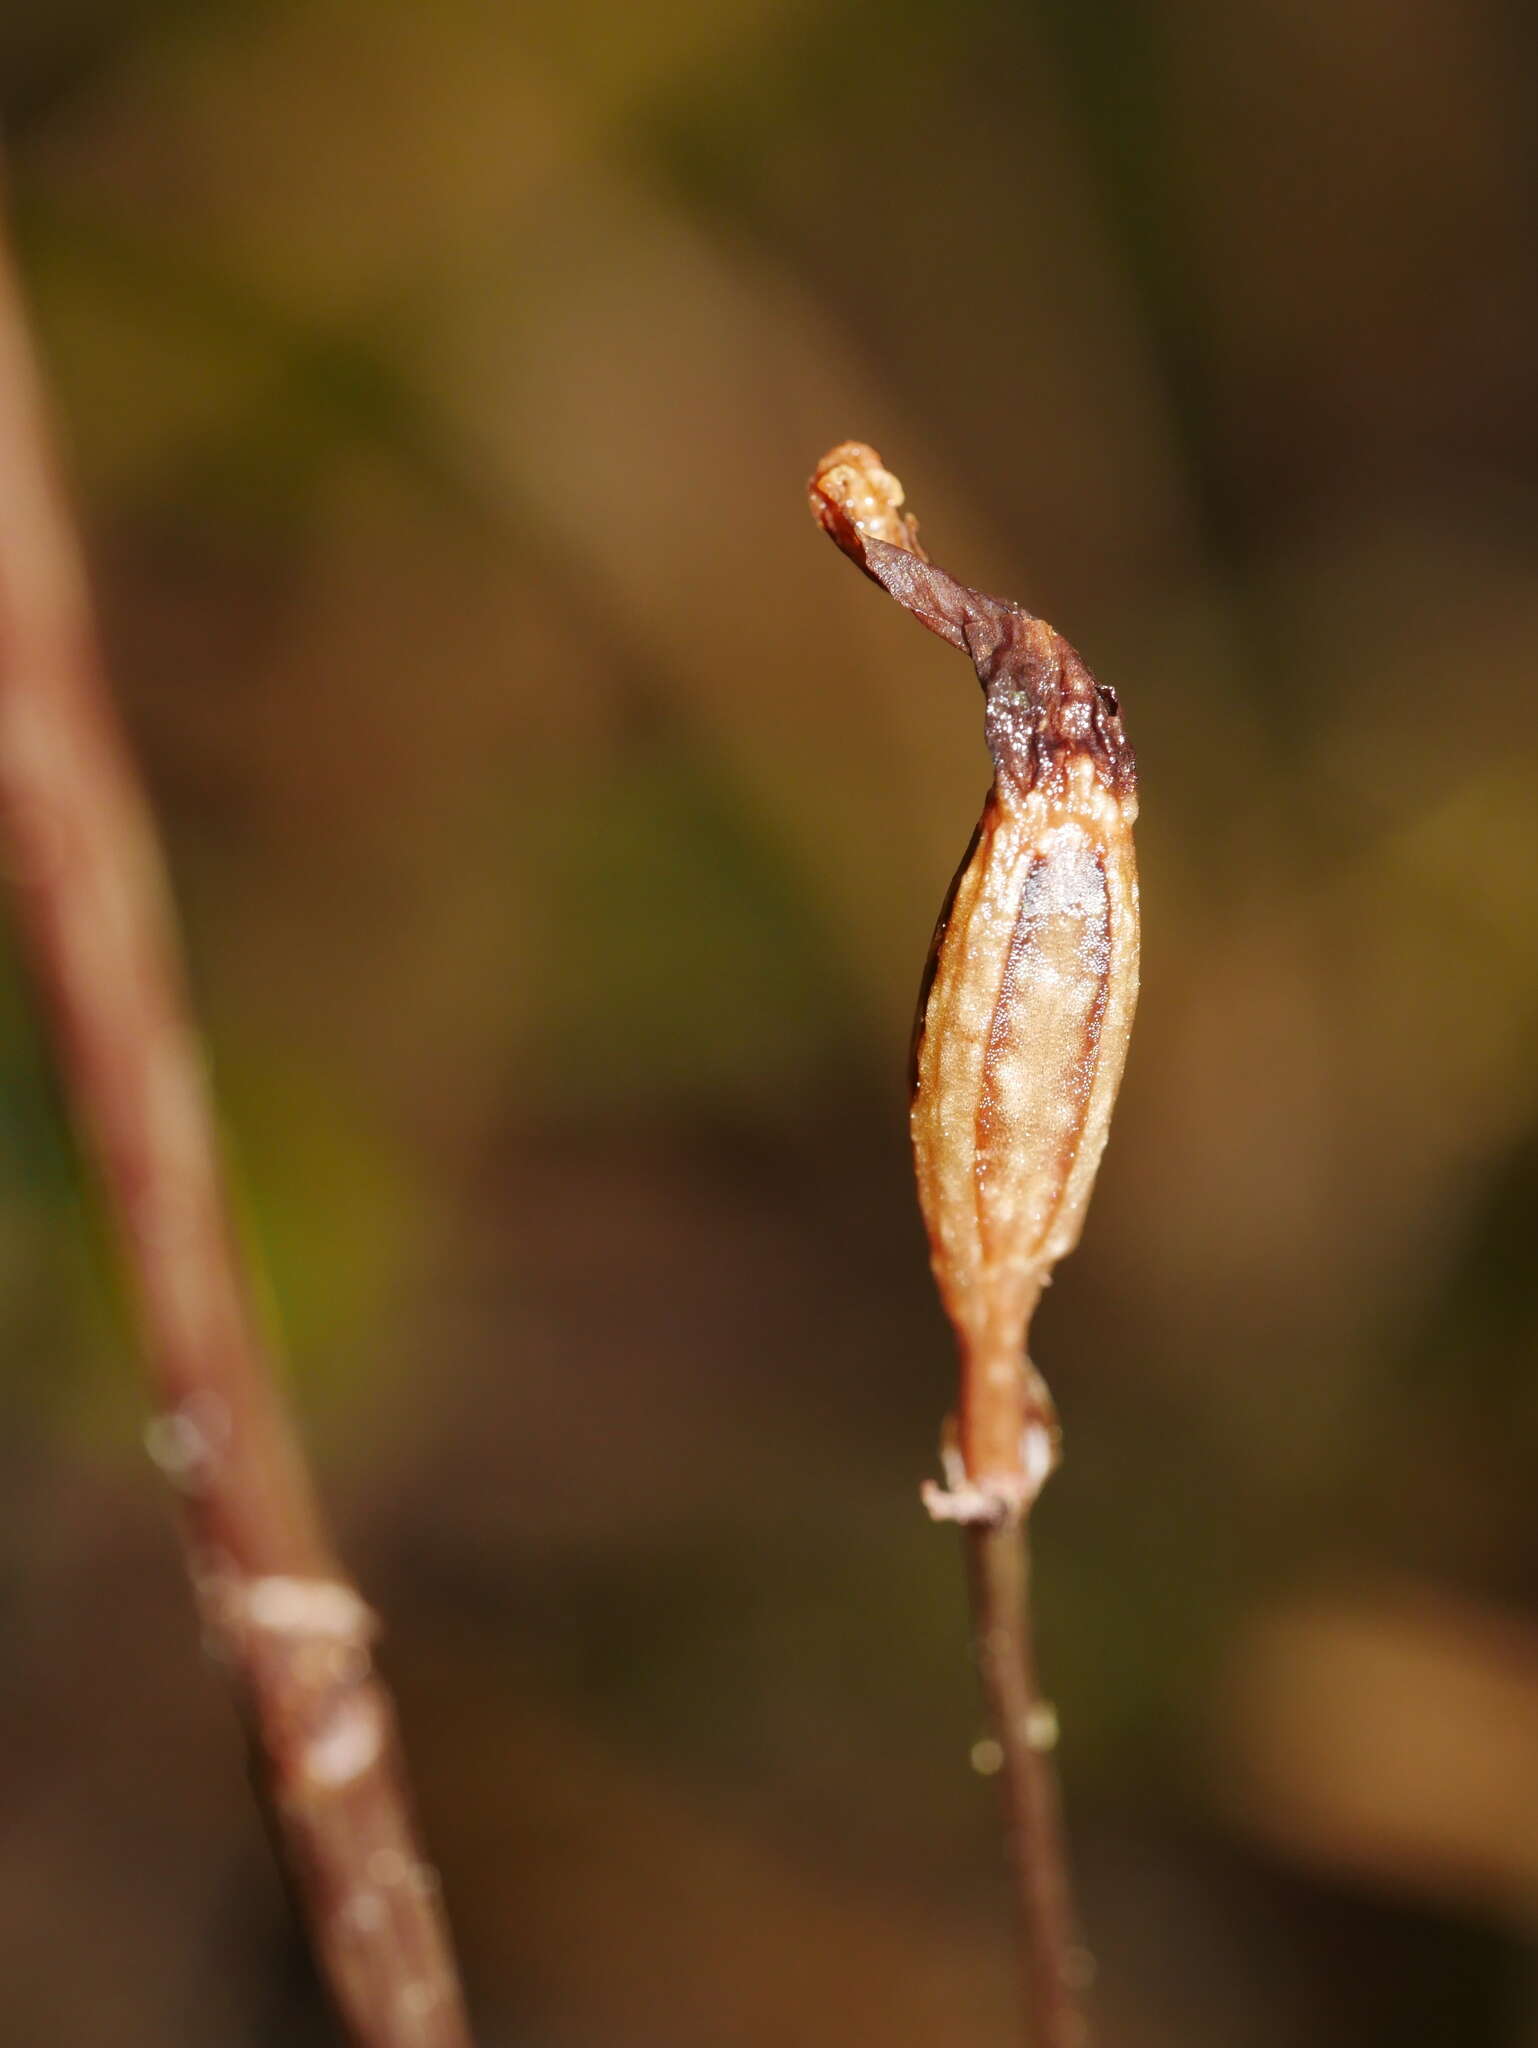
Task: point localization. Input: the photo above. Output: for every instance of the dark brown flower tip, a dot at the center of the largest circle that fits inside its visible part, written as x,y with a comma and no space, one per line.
1045,709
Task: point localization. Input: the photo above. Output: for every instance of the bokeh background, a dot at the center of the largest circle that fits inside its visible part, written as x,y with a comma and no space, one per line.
558,825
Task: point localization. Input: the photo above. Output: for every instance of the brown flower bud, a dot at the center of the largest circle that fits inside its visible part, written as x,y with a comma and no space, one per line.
1027,1002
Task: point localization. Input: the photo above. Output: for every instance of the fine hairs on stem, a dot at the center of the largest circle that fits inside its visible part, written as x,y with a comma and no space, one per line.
93,916
1022,1033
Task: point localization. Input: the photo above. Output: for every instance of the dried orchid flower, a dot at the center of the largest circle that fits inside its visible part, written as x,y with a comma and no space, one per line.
1021,1038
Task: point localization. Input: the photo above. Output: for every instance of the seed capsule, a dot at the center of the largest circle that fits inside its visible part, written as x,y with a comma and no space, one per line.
1027,1001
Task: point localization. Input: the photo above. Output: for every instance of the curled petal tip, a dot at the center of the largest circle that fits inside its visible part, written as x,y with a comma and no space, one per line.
854,498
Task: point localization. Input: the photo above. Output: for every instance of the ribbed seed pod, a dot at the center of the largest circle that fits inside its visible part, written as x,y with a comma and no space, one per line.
1028,998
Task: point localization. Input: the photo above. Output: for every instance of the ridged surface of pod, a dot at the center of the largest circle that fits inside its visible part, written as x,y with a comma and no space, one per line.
1027,1002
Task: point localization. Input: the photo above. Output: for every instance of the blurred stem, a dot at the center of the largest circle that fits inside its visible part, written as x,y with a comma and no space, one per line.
95,921
1024,1727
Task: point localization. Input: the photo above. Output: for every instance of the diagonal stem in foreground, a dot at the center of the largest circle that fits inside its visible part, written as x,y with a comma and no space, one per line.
94,918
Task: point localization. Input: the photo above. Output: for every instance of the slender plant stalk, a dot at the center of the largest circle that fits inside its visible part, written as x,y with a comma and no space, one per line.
1022,1032
95,921
998,1562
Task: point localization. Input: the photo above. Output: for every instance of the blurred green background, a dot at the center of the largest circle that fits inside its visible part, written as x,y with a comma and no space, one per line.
559,825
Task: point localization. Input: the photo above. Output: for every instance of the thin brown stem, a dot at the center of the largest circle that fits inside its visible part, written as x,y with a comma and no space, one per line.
1024,1728
95,922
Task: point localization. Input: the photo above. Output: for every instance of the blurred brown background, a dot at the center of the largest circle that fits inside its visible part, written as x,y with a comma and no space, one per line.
559,825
